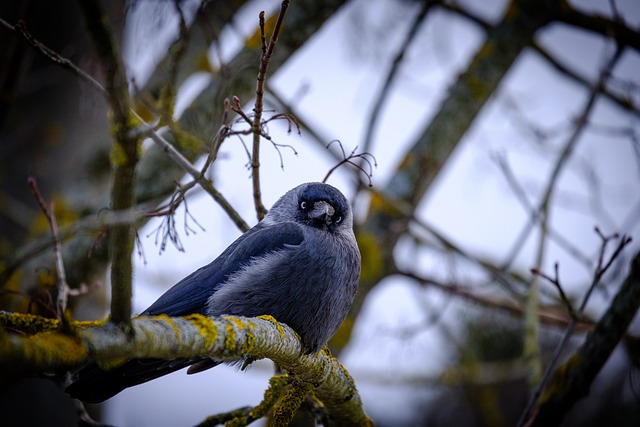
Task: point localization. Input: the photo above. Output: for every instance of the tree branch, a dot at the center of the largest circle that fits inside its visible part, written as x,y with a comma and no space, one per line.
63,286
572,380
124,157
226,338
600,270
267,52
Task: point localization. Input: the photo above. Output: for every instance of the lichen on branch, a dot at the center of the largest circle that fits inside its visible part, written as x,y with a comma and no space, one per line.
226,338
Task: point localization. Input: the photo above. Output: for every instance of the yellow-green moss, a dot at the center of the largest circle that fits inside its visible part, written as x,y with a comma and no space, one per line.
372,259
241,324
352,384
118,155
55,349
277,383
204,64
28,323
273,320
250,341
186,141
236,418
84,324
230,339
560,380
170,322
288,405
207,328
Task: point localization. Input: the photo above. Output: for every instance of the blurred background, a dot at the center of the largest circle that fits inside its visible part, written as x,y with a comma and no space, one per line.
486,139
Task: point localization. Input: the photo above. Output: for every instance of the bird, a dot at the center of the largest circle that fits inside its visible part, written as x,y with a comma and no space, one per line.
299,264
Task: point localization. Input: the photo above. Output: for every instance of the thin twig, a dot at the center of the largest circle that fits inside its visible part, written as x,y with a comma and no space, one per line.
148,129
167,231
403,208
521,196
548,317
573,380
309,130
539,213
600,270
63,286
195,173
21,29
291,121
626,104
267,51
555,281
364,164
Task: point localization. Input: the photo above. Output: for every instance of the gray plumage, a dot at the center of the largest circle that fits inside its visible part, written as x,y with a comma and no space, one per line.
300,264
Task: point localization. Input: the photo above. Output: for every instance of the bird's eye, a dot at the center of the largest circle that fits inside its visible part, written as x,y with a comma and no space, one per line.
338,220
303,205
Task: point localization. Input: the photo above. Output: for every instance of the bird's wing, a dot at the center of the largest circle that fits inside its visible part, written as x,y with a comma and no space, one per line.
191,294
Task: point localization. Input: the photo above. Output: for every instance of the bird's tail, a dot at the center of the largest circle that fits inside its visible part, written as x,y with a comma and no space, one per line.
94,384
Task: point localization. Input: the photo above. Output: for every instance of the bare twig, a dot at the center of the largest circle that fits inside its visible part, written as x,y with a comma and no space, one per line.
365,164
196,174
145,127
167,228
600,270
309,130
21,29
540,212
521,196
63,286
574,378
249,118
549,317
555,281
497,274
267,51
625,103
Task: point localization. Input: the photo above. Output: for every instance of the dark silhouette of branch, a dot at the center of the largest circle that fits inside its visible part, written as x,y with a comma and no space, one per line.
546,315
555,281
624,103
21,29
615,29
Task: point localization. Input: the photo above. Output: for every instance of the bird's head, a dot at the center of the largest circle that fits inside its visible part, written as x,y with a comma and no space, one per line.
315,204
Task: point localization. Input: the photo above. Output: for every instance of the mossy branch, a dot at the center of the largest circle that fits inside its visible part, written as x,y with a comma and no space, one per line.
124,156
225,338
573,379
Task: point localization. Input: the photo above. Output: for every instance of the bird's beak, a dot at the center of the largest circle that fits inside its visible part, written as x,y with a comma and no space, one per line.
322,211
